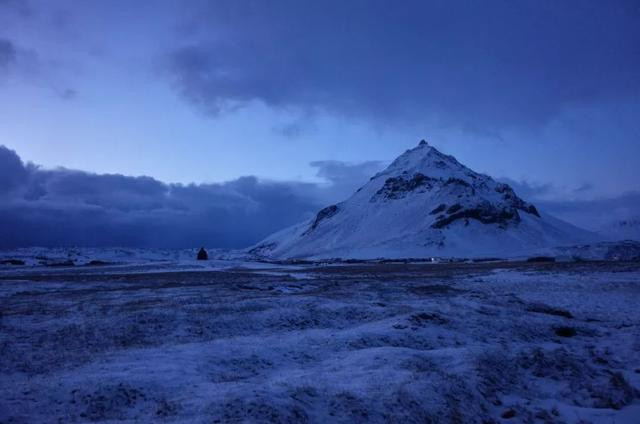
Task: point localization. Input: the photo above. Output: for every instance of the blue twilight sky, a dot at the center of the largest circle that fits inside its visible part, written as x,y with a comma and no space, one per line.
257,100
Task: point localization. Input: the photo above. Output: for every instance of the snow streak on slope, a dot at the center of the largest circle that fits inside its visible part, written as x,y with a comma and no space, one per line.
424,204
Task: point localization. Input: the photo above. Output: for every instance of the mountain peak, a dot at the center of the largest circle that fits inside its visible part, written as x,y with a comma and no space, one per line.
427,160
425,203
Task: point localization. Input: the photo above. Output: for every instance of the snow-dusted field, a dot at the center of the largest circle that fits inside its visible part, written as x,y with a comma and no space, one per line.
490,342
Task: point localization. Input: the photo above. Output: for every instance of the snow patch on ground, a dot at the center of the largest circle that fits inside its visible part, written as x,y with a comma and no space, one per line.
553,342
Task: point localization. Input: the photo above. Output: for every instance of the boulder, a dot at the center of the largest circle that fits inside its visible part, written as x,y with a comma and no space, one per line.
202,254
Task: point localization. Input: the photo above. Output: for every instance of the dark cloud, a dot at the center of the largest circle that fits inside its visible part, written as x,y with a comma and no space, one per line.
13,173
338,172
8,53
28,65
595,214
19,8
484,66
346,178
590,213
529,190
64,207
68,94
9,11
292,131
15,59
584,188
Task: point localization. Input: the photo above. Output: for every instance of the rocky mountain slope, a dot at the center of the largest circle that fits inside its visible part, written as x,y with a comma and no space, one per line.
425,203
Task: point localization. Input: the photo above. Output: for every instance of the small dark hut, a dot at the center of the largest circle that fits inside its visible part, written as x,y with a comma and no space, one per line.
202,254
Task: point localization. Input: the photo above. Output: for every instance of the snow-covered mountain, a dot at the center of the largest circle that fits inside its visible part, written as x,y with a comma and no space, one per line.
425,203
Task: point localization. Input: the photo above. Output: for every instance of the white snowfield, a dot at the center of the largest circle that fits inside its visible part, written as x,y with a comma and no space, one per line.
425,204
381,343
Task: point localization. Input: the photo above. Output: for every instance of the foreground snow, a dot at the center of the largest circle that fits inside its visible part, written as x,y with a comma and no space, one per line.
382,343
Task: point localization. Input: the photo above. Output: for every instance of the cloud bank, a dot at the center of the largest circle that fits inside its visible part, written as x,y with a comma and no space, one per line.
595,214
479,65
63,207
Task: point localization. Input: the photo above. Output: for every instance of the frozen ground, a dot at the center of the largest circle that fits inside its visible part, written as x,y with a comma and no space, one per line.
149,259
488,342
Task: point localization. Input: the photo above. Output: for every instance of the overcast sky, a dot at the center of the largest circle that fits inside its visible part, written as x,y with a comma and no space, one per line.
305,99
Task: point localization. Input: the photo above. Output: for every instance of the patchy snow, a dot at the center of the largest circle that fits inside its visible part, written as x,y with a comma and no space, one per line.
425,204
92,259
541,342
